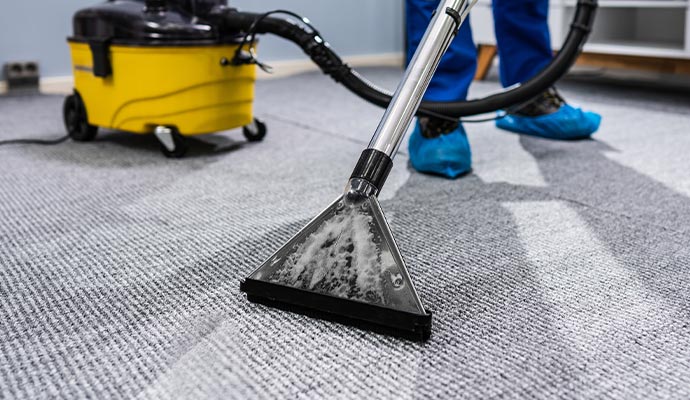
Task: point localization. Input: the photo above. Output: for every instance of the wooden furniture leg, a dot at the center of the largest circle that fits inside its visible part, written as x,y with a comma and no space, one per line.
485,57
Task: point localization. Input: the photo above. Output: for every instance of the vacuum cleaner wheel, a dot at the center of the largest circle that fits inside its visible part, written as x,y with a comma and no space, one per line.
173,144
255,132
75,118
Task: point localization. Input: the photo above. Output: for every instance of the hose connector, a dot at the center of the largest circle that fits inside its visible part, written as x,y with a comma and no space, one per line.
373,166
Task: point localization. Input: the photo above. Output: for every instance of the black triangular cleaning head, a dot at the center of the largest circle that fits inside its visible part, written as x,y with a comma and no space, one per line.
344,266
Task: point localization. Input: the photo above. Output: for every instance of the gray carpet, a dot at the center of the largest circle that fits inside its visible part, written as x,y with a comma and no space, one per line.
554,270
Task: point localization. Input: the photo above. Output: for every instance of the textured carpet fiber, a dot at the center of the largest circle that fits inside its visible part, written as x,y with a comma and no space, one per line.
555,270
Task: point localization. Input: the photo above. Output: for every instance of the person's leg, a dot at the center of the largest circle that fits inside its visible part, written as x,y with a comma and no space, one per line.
436,146
456,70
524,49
522,37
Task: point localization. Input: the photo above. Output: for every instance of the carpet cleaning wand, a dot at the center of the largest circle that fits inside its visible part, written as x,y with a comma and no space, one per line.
345,265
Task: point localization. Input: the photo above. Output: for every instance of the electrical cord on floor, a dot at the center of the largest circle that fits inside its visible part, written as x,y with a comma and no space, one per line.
50,142
46,142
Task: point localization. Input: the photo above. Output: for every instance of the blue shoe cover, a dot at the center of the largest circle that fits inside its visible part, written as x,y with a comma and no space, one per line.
448,155
568,123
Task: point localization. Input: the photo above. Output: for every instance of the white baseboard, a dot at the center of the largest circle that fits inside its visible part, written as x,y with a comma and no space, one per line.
281,69
49,85
57,85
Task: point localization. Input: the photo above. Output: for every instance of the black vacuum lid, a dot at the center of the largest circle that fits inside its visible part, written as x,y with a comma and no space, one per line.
149,22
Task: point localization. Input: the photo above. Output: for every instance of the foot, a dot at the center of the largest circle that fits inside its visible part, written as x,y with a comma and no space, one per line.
549,116
440,147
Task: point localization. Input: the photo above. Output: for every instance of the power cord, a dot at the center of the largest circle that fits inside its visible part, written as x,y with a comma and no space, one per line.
47,142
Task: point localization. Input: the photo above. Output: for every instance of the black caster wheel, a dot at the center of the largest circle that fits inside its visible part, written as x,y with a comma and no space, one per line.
76,121
173,144
255,131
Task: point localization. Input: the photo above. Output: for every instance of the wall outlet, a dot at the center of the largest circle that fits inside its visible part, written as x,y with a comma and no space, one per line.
21,75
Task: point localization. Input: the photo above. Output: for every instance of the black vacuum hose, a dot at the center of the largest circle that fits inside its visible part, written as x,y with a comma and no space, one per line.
331,64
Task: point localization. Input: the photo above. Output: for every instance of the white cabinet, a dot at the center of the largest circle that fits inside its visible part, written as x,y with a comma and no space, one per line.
656,28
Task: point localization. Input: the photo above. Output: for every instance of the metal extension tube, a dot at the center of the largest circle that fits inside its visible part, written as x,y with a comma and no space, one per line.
446,21
377,160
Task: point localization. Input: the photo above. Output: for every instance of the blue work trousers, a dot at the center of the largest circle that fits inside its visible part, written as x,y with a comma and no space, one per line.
522,36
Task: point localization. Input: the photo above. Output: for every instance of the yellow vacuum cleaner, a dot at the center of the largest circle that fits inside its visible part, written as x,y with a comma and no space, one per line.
152,67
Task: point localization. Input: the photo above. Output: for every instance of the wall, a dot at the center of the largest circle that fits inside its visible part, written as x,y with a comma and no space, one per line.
32,30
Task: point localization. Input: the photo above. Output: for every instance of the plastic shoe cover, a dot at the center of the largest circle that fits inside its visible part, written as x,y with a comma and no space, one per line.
448,155
568,123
